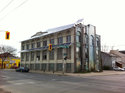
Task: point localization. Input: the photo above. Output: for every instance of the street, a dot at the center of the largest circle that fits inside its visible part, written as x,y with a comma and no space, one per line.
17,82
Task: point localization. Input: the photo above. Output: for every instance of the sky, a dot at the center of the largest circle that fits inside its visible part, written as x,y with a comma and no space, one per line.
23,18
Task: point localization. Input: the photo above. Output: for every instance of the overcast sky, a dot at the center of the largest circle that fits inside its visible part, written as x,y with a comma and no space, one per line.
23,18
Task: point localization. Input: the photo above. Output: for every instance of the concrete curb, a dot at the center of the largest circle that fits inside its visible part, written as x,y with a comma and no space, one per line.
104,73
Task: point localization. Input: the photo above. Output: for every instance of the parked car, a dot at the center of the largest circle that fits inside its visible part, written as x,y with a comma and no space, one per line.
22,69
124,68
14,67
119,69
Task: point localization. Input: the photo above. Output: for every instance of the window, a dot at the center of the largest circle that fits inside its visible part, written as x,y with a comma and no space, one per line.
27,56
51,55
22,56
92,40
86,39
97,42
32,56
68,52
59,53
51,67
38,55
60,40
51,41
27,46
38,44
45,43
68,39
59,66
68,67
23,47
86,55
97,53
33,45
44,55
77,36
44,66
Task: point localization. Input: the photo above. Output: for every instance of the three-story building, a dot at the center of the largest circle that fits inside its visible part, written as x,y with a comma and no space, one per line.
75,48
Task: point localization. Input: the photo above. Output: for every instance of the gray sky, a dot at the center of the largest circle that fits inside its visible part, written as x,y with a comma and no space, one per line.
23,18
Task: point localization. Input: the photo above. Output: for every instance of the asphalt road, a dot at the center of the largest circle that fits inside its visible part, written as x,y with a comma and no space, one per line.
17,82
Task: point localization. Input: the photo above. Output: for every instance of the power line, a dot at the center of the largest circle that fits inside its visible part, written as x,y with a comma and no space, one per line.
6,6
21,4
14,9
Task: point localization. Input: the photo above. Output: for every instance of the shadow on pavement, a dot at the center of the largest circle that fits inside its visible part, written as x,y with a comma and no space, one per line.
1,83
3,91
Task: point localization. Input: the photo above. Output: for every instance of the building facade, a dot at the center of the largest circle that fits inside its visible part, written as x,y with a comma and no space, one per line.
10,61
75,48
108,61
113,59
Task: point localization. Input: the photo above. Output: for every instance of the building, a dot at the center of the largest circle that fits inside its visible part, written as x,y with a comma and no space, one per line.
10,62
113,59
120,60
108,60
122,51
75,48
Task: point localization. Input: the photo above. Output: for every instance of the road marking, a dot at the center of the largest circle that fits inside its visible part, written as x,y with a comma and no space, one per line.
31,82
53,79
18,83
3,76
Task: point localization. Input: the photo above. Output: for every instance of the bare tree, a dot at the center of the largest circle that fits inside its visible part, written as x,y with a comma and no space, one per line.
104,48
6,51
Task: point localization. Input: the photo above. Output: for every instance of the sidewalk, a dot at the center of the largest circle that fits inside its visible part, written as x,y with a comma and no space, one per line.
105,72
